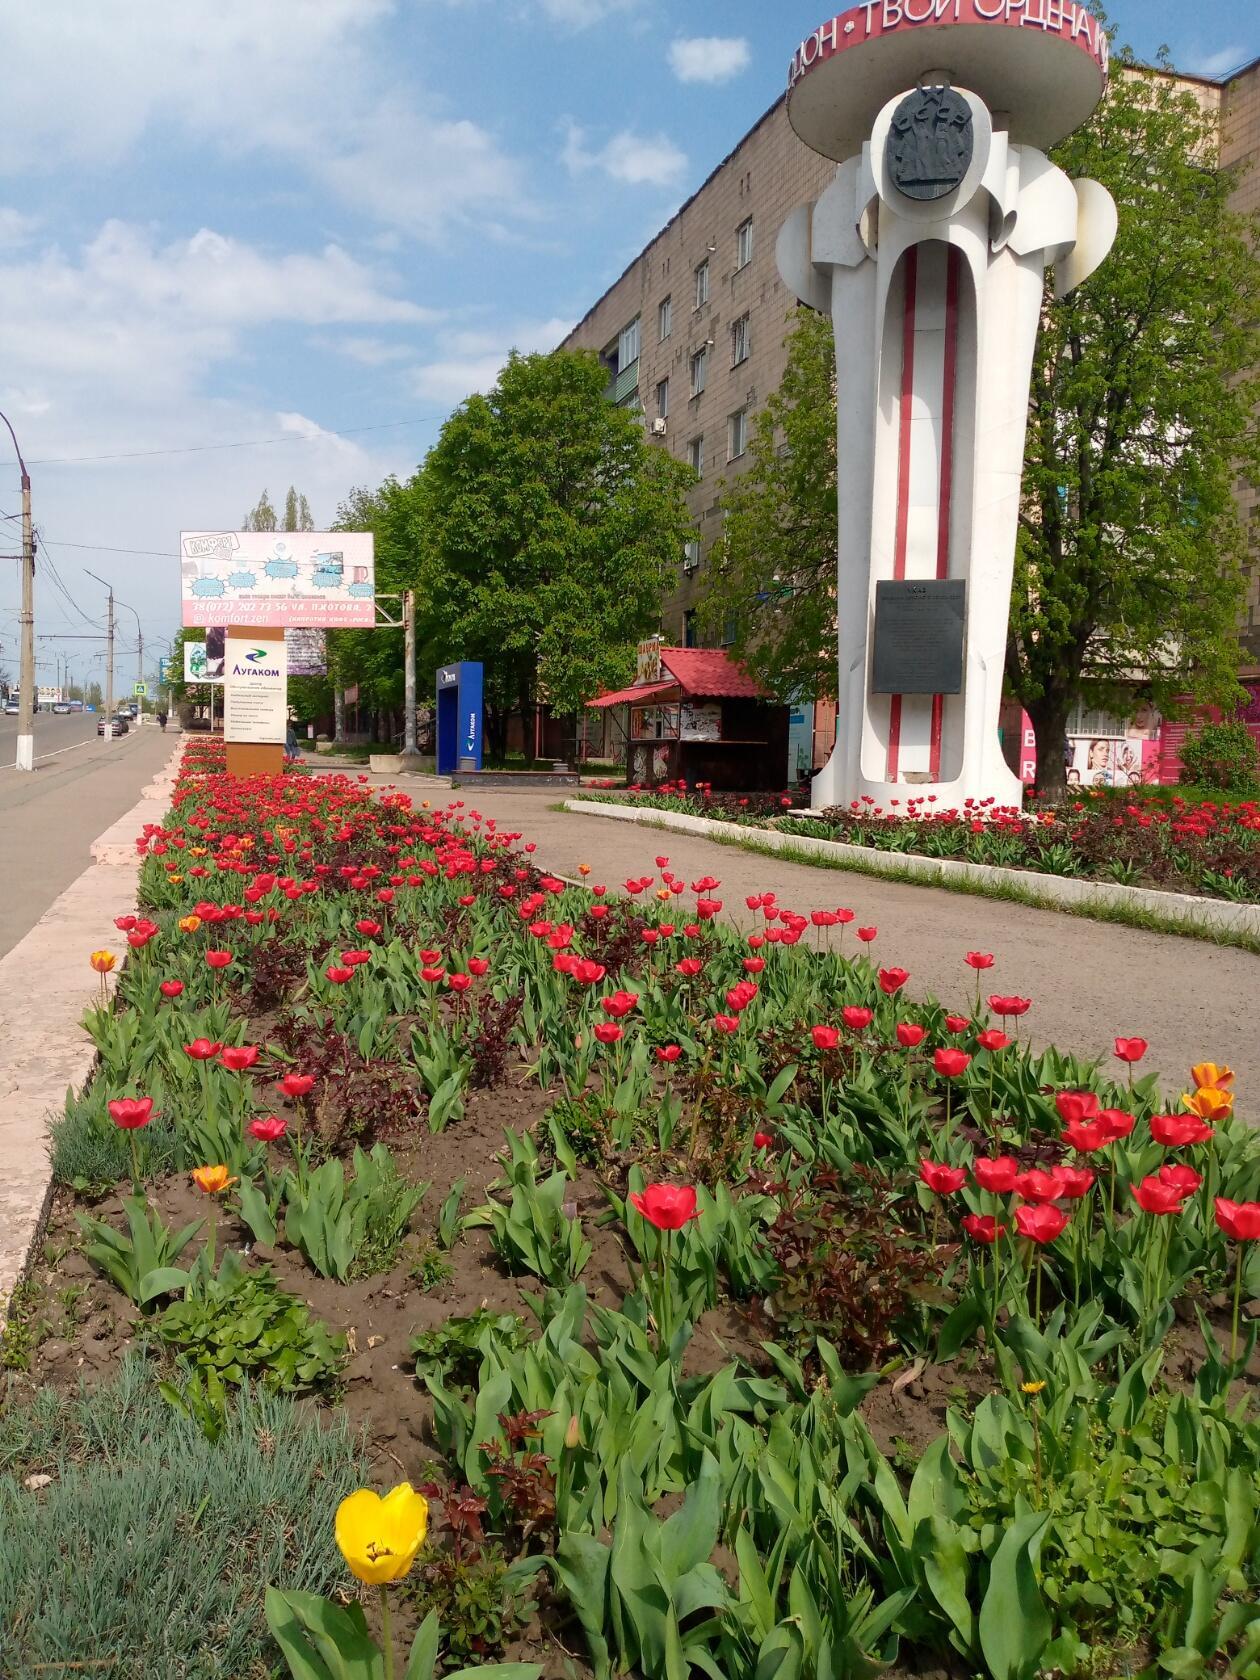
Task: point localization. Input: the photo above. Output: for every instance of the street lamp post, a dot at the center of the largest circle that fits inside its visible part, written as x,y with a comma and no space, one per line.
108,731
26,677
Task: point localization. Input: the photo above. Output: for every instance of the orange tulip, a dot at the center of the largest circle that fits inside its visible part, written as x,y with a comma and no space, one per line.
584,868
188,924
103,961
212,1179
1207,1073
1209,1102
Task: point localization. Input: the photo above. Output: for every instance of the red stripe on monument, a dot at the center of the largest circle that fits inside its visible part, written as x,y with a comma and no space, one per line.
948,384
903,479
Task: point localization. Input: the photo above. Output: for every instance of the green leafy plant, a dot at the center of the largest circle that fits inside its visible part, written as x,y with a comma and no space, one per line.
1222,755
141,1260
537,1231
322,1641
345,1225
454,1351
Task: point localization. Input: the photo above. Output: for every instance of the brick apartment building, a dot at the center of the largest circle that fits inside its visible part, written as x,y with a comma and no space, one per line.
693,331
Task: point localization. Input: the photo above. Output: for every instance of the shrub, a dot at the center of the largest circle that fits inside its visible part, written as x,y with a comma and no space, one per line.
151,1550
1222,755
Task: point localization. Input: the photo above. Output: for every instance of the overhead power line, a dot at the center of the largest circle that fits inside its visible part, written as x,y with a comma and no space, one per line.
242,443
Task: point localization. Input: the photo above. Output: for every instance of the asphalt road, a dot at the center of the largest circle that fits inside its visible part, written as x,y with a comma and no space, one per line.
49,819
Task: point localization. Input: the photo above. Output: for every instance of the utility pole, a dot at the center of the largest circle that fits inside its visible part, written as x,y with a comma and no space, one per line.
140,662
26,677
109,657
409,675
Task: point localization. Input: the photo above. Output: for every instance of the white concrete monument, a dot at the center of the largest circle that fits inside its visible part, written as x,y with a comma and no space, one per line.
928,251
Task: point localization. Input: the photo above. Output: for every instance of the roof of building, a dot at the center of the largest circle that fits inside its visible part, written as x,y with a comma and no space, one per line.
700,674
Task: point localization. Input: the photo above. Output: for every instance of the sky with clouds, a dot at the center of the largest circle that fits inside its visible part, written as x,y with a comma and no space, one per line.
249,243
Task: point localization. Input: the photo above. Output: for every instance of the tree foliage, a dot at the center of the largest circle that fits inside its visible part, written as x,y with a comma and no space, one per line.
773,572
549,531
1142,418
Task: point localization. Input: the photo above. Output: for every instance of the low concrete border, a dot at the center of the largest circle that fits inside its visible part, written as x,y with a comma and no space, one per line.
46,985
1193,913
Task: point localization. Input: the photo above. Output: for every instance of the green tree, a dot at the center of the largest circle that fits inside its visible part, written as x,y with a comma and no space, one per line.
261,517
773,572
549,530
1130,548
297,513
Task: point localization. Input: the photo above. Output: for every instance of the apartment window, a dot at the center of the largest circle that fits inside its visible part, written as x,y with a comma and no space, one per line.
628,345
729,626
695,454
743,244
691,636
665,318
737,434
662,399
739,341
699,370
702,284
691,557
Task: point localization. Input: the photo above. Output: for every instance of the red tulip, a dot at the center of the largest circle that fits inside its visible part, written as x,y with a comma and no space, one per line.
368,929
726,1023
202,1049
171,988
1184,1180
891,980
124,924
459,982
762,1140
857,1020
619,1004
689,967
1239,1220
586,972
996,1175
1037,1185
754,965
910,1035
339,976
944,1180
983,1227
607,1032
355,959
218,959
238,1057
1040,1224
1176,1131
956,1023
430,976
825,1038
1073,1182
1116,1123
667,1206
130,1113
979,959
430,958
267,1130
1153,1197
1085,1136
1131,1049
668,1052
1010,1005
479,965
950,1063
992,1039
1076,1105
297,1084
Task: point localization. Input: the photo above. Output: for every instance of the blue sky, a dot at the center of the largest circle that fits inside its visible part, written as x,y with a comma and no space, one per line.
225,221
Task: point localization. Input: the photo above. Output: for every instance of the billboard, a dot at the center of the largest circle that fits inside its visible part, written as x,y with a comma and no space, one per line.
203,661
308,653
282,578
255,690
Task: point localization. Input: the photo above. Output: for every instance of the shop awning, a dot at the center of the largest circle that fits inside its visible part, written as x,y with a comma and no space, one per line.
633,696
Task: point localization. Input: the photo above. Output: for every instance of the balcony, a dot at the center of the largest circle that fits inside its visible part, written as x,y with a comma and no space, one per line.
623,384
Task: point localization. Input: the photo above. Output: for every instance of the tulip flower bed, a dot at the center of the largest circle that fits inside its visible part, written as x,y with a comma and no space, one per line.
1209,847
697,1303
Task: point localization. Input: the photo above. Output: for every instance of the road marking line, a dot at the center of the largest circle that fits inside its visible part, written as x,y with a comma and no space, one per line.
40,757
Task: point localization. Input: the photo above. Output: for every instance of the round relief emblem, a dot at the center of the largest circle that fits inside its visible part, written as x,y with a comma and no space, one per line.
929,143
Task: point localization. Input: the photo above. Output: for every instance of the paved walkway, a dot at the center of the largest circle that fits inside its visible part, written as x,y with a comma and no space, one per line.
1089,981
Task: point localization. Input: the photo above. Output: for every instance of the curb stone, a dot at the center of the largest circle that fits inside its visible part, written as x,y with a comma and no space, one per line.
1190,911
47,985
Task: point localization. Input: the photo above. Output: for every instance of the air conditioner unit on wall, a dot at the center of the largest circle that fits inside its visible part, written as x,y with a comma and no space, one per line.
659,426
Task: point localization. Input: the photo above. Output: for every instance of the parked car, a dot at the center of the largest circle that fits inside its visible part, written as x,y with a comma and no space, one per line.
11,707
61,706
76,705
118,725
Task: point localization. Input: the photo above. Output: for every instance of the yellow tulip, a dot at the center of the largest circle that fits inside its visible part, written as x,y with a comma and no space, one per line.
103,961
379,1538
175,880
1207,1073
1209,1102
212,1179
188,924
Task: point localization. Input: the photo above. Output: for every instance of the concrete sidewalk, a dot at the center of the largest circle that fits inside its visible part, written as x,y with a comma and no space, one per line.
1089,981
46,985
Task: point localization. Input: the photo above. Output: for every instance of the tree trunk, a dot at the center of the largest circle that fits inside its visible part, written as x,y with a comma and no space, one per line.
339,711
496,719
1049,716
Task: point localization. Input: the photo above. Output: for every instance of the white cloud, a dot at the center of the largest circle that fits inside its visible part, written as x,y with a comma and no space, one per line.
581,14
1215,63
307,82
638,160
16,228
472,358
708,58
370,352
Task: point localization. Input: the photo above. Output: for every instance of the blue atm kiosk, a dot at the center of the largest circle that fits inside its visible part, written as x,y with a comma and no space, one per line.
459,722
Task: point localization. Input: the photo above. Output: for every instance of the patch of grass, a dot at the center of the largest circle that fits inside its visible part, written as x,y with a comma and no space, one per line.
22,1329
91,1155
430,1268
1008,892
151,1550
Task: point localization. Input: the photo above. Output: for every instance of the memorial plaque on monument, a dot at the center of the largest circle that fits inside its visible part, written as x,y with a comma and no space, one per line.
919,636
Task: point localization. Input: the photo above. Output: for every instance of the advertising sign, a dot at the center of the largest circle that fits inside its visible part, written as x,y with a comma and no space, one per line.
255,690
648,662
703,722
290,578
1107,761
199,667
308,652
